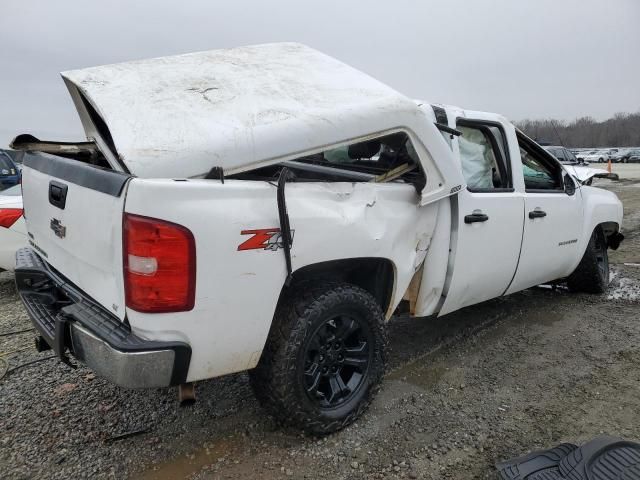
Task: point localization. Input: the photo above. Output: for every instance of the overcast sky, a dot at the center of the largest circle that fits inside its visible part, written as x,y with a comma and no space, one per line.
522,58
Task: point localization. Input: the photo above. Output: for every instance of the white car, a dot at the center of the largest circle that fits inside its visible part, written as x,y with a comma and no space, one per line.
267,208
593,156
13,232
564,155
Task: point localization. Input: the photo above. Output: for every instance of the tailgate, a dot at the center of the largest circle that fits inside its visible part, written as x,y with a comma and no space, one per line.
73,213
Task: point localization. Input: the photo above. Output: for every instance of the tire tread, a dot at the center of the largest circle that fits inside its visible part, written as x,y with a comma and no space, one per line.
586,277
272,379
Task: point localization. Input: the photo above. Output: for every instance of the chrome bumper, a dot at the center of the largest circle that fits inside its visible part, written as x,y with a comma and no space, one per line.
68,320
141,369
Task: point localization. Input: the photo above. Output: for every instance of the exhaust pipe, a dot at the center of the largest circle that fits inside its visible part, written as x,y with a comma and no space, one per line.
186,394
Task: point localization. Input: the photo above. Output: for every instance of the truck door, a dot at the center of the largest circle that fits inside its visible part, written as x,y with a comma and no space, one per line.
487,216
553,219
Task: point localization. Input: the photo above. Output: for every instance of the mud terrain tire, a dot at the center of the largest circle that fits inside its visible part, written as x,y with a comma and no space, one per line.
592,274
324,357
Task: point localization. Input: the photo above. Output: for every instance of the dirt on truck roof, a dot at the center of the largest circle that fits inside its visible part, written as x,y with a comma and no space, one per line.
179,116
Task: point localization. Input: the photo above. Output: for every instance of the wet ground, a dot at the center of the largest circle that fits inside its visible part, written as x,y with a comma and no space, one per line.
478,386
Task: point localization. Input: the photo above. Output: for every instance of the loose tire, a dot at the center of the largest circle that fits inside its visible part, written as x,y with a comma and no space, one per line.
324,358
592,274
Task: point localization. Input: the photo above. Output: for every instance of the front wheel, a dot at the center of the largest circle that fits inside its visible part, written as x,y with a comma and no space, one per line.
592,274
324,357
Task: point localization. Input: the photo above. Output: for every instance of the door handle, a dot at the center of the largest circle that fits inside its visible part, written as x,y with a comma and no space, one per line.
476,217
58,194
537,214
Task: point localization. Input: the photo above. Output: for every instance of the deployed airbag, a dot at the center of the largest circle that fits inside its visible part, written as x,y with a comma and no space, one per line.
476,158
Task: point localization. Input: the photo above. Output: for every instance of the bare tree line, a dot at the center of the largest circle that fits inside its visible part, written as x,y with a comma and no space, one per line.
623,130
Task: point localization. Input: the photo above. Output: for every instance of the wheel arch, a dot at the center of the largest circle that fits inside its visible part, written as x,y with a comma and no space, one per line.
601,209
376,275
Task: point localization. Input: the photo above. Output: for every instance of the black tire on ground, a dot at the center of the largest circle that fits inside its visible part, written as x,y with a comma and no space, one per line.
324,358
592,274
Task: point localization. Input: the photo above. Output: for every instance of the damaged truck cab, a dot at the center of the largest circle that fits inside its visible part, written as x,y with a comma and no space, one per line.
267,208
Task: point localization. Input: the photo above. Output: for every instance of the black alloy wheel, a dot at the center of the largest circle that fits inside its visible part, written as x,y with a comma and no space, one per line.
336,360
325,356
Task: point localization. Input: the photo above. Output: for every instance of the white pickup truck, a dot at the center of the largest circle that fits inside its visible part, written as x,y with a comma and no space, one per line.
267,208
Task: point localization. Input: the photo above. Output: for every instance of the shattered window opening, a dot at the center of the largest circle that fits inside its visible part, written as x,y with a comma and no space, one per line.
389,158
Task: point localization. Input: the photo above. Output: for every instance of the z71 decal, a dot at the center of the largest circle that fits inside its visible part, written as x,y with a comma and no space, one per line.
263,239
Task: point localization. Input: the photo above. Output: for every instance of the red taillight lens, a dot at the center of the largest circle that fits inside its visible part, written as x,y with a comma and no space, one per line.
159,265
9,216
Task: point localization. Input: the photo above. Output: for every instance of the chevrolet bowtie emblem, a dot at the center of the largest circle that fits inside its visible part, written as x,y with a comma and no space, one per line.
57,227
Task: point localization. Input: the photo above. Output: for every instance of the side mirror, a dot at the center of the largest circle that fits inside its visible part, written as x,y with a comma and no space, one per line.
569,185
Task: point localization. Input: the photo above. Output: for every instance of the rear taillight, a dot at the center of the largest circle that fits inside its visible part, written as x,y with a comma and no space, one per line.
159,265
9,216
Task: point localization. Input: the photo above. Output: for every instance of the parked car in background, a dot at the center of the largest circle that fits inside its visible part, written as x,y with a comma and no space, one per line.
593,156
564,155
9,172
578,168
17,157
624,154
13,232
616,155
634,156
611,154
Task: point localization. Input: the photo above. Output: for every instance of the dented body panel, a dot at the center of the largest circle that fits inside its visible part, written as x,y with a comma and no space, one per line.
237,291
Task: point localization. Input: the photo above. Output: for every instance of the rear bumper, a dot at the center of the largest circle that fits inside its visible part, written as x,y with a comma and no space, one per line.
69,321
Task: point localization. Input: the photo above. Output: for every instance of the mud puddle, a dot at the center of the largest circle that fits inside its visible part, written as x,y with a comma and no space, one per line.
193,463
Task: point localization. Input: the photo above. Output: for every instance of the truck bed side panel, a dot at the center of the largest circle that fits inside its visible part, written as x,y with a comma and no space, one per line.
237,290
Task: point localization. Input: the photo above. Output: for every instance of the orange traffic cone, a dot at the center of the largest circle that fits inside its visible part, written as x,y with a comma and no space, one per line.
609,166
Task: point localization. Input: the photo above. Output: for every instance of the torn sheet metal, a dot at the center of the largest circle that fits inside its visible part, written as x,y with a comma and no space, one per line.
371,219
29,143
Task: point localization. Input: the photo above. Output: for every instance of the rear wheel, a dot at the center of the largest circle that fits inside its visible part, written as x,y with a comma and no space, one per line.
324,358
592,274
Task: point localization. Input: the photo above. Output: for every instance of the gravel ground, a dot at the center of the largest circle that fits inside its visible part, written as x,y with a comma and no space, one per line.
481,385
